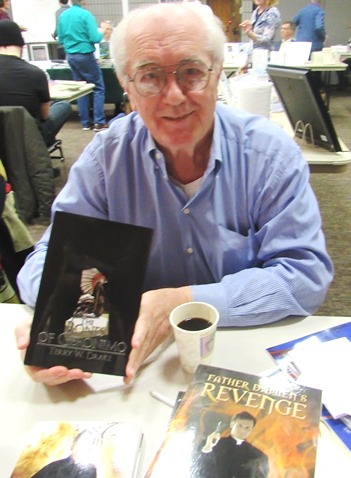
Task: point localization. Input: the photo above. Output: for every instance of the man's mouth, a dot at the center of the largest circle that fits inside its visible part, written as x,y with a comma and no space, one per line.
177,118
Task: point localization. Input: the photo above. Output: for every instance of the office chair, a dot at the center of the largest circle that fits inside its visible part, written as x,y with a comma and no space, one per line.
57,147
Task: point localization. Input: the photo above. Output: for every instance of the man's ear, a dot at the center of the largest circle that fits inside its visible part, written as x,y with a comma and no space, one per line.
127,95
130,99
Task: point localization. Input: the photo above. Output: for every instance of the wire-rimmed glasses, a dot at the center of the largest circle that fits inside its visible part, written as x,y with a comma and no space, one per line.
191,75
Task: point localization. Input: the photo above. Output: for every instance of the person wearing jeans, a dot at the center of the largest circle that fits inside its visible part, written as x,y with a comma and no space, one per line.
78,33
85,68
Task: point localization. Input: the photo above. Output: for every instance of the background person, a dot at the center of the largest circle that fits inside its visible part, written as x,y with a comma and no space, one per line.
310,25
287,34
107,29
26,85
63,7
263,25
78,32
227,194
4,6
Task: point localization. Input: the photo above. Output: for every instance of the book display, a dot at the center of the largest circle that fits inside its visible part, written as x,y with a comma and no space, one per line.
80,449
89,294
237,424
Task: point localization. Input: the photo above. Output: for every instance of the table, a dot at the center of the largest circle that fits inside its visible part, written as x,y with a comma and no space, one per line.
113,90
22,402
69,90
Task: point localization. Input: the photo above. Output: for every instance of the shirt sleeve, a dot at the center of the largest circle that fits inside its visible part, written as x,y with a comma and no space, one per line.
295,270
319,24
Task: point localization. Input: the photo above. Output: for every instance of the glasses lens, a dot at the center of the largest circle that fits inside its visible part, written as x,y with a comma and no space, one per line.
193,75
149,81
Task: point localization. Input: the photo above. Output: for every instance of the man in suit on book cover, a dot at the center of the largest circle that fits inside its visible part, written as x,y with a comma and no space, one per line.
232,456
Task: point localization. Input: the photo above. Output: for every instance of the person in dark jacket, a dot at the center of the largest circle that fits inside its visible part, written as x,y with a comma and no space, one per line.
233,456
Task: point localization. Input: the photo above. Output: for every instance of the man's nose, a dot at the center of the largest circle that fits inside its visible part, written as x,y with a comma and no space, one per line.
172,90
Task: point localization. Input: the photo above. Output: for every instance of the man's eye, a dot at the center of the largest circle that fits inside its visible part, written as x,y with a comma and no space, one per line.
193,73
149,76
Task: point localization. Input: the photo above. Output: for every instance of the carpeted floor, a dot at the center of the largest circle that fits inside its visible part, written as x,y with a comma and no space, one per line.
332,191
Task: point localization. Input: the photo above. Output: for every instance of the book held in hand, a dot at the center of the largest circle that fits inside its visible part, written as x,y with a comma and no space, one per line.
237,424
89,294
80,449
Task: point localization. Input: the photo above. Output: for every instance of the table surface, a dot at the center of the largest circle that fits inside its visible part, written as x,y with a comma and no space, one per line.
23,402
69,90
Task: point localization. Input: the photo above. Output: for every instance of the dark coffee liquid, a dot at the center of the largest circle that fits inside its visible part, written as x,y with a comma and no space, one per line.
194,323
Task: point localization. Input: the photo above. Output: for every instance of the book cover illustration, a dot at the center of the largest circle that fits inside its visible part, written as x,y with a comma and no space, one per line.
89,294
280,354
237,424
80,449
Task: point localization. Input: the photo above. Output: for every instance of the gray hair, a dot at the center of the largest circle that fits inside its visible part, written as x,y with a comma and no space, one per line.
213,27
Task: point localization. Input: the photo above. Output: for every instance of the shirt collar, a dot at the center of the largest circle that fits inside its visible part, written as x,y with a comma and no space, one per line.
215,153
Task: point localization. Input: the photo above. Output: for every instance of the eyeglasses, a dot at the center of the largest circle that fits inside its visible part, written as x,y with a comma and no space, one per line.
190,75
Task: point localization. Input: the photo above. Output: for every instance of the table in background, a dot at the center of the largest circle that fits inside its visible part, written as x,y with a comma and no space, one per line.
69,90
22,402
113,90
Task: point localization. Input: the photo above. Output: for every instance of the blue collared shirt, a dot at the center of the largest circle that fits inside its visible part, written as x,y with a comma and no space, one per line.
249,241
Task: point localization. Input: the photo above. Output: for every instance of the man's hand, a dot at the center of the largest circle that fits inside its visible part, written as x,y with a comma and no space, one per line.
211,442
151,329
152,326
49,376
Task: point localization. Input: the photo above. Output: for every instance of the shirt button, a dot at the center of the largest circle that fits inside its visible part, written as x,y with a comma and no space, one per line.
158,156
190,250
186,210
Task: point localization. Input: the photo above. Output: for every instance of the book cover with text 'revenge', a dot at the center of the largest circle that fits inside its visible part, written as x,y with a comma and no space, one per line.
89,294
237,424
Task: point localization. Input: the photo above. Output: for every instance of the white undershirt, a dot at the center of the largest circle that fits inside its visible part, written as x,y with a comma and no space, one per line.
190,189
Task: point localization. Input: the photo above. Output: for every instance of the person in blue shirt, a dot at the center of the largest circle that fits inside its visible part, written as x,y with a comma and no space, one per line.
310,25
78,32
227,193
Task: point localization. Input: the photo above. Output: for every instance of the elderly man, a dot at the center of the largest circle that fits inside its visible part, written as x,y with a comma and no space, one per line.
235,221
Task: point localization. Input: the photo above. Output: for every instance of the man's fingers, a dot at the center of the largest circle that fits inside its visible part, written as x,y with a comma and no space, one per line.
22,333
56,375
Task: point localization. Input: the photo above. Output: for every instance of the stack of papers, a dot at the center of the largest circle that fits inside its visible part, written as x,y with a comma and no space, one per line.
326,366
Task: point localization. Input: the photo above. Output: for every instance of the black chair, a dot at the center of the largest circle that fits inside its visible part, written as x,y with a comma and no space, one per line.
56,153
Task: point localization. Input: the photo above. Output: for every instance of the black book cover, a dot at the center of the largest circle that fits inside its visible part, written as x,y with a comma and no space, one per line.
89,295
